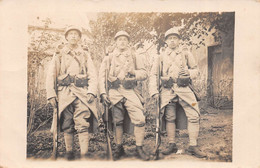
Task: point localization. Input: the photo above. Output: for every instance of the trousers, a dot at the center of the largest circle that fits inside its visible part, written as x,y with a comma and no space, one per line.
75,117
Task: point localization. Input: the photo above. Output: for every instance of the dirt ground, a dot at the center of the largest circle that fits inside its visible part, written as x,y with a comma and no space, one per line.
215,140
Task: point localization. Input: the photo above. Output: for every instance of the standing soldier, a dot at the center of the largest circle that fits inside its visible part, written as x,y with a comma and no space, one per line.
72,72
124,69
177,68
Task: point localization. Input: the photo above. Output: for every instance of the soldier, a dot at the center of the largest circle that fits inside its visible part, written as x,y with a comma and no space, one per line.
177,68
72,71
124,70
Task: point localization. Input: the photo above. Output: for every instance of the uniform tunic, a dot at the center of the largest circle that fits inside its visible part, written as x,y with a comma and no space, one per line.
63,64
171,63
118,63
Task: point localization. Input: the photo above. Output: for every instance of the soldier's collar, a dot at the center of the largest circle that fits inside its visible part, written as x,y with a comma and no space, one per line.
117,53
77,50
169,51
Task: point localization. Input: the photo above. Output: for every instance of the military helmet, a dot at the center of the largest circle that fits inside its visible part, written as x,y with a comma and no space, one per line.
122,33
172,31
69,28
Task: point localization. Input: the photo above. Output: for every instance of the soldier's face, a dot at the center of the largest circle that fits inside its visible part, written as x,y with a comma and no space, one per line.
73,37
122,42
172,41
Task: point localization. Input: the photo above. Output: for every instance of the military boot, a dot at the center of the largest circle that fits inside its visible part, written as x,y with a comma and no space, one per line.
172,148
69,141
194,150
119,152
70,155
141,153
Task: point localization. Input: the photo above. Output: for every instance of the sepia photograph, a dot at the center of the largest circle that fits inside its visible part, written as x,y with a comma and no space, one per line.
133,83
130,86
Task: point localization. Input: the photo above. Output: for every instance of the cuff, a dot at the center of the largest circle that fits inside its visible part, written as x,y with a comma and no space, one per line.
112,78
102,94
92,94
153,93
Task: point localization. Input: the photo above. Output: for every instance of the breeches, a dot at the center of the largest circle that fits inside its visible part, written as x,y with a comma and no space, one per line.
136,114
75,117
170,111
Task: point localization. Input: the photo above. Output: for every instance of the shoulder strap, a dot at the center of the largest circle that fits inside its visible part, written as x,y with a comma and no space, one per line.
184,58
58,55
85,69
110,57
75,58
86,54
58,51
133,56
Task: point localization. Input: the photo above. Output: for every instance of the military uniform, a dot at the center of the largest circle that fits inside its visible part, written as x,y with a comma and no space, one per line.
70,79
123,98
171,62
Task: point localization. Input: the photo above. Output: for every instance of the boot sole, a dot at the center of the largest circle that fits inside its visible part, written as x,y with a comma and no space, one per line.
120,156
143,159
196,155
170,152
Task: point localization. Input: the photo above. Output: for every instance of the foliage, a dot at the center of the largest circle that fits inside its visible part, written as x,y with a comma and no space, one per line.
221,101
36,54
142,25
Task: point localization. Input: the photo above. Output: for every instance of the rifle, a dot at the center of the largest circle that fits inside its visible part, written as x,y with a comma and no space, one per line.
55,126
55,133
109,148
158,116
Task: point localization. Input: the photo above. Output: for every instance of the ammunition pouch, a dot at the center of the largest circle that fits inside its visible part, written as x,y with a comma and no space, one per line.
183,81
64,81
167,82
79,81
115,84
129,83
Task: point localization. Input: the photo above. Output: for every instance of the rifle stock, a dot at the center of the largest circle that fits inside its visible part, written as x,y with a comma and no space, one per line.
158,132
55,133
109,148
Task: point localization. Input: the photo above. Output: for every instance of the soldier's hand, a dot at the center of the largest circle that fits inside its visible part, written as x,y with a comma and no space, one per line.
156,96
53,102
184,72
105,99
90,97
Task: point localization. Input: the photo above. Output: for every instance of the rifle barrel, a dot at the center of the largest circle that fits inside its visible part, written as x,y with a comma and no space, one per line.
109,148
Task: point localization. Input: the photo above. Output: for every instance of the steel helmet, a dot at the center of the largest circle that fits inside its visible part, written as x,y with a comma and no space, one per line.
69,28
122,33
172,31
